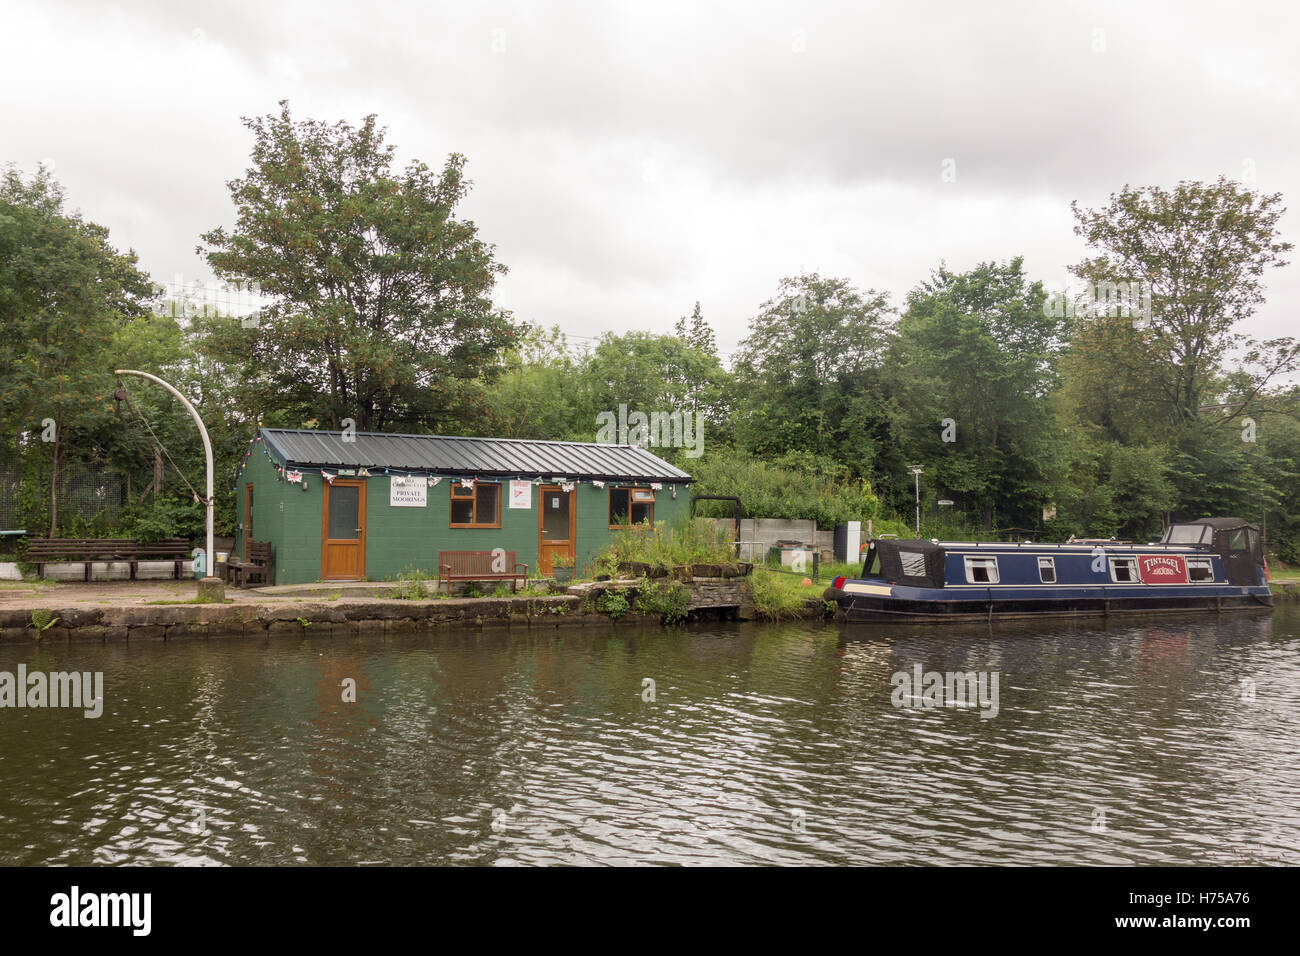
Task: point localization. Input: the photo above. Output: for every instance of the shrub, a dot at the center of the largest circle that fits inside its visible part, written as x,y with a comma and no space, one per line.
613,602
666,599
411,586
794,486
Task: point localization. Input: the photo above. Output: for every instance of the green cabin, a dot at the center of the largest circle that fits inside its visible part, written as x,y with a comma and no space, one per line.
357,506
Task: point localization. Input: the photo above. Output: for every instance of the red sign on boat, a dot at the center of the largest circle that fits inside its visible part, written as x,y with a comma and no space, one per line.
1162,569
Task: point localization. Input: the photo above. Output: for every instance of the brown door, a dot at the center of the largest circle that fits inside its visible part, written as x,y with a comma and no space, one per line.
248,519
555,523
343,530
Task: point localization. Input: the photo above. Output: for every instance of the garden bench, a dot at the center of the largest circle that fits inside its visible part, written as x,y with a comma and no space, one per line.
43,551
477,566
256,564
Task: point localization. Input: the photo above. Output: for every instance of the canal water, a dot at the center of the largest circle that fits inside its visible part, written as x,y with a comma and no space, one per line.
1169,742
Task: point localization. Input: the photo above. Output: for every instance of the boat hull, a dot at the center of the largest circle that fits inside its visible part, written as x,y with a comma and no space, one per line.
932,605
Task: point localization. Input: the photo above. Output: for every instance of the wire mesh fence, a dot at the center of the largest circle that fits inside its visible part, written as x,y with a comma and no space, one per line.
88,490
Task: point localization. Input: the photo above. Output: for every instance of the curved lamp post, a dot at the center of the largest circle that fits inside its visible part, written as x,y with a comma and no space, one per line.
208,556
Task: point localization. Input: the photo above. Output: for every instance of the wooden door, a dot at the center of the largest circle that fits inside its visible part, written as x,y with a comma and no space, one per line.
248,519
343,530
555,526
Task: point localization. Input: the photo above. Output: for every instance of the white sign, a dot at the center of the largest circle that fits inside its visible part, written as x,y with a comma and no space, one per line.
412,493
521,494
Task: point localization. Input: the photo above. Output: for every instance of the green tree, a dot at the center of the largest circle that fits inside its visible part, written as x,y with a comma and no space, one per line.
380,297
807,377
1200,251
975,363
64,292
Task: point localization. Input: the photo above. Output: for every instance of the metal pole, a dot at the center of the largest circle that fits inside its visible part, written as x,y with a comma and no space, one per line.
917,476
209,557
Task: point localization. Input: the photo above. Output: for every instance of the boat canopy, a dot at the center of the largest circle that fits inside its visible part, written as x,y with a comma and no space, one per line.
1237,541
916,563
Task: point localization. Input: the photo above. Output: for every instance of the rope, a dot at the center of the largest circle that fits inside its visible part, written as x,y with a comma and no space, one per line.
163,448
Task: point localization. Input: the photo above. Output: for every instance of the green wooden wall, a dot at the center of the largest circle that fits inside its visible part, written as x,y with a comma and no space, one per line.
405,539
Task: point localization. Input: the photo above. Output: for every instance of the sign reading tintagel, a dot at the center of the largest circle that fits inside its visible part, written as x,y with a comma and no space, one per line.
410,491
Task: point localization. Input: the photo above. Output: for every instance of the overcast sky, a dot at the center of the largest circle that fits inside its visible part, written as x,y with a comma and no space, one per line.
629,159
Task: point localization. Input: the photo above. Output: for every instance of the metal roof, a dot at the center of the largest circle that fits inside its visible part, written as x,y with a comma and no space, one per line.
450,455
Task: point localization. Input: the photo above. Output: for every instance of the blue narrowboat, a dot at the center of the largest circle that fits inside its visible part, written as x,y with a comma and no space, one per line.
1213,564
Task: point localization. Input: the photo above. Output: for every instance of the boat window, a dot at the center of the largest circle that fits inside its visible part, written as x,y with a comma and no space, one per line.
1047,570
1200,569
982,570
1124,570
1187,534
913,563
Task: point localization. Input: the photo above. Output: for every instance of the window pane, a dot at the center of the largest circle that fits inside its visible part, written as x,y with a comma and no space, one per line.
487,496
913,563
462,511
618,507
641,513
555,516
344,500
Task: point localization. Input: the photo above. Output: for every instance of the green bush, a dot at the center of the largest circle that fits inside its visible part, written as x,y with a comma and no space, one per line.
795,486
613,603
663,546
666,599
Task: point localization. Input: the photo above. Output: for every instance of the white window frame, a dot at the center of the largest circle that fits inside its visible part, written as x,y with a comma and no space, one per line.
1051,563
1200,561
1132,563
990,563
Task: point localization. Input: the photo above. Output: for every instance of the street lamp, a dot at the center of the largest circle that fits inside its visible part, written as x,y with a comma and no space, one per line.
916,473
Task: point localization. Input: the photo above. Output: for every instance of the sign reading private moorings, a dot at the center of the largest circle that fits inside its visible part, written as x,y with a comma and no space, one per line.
408,491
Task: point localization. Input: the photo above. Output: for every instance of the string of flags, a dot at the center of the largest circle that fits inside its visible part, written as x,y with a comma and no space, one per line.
298,475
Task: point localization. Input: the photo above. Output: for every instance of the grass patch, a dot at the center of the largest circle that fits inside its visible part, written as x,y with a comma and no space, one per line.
777,596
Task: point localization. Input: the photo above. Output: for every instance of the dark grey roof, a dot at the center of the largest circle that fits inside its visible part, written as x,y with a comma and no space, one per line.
447,455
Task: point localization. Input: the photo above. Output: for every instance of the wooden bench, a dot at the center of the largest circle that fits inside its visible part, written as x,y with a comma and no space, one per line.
477,566
43,551
256,564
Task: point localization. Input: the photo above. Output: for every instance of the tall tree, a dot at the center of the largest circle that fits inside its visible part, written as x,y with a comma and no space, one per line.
807,376
975,363
64,291
380,297
1198,254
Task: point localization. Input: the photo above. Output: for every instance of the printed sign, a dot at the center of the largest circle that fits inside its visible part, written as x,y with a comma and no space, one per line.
413,492
521,494
1162,569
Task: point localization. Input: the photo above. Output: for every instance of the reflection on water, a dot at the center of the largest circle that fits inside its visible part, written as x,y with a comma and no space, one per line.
1173,742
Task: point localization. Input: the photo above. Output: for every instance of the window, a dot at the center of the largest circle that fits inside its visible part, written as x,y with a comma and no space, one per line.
1124,570
477,507
1047,570
628,506
1188,534
913,563
982,570
1200,569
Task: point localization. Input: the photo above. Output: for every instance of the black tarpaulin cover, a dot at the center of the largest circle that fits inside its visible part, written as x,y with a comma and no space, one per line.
916,563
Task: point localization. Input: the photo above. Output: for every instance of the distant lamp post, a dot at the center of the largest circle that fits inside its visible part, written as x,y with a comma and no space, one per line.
917,471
